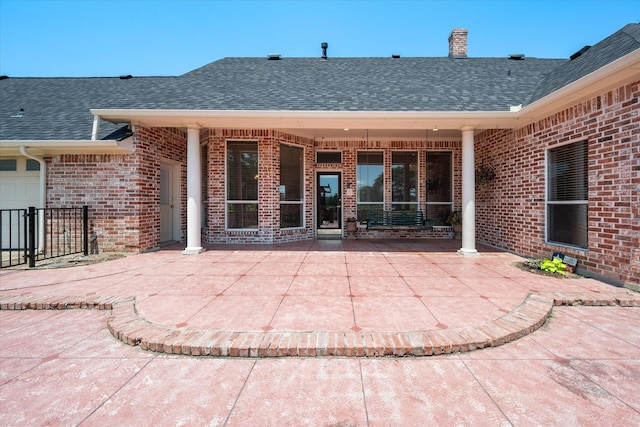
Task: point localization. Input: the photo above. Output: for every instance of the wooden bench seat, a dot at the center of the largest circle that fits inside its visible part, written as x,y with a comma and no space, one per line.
385,220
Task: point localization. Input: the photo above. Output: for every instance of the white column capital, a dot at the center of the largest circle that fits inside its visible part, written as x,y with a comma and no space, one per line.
467,128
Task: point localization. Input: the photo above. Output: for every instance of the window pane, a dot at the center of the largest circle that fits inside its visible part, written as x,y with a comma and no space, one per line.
438,177
438,214
291,215
567,181
370,177
291,173
241,215
329,157
568,172
404,168
364,209
568,224
291,186
8,165
33,165
242,171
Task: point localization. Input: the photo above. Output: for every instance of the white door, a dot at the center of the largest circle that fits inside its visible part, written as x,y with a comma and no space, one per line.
166,203
19,189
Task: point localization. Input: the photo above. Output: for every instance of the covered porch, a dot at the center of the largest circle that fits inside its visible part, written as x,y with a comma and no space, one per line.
316,131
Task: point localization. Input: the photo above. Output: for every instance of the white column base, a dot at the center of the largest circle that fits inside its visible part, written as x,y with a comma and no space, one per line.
468,252
193,251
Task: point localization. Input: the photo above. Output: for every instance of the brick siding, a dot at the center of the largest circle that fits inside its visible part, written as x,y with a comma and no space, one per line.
269,171
511,210
122,191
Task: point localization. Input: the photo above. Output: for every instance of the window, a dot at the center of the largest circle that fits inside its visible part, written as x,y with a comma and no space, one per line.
567,194
334,157
242,185
404,182
370,183
438,186
291,186
33,165
8,165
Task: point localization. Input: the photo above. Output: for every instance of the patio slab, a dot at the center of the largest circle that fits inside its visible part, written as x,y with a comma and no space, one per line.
61,365
334,298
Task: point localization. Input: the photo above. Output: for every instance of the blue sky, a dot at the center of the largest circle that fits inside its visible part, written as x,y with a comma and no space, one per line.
42,38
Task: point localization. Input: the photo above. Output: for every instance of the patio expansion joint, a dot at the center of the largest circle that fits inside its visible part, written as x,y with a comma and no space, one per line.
129,327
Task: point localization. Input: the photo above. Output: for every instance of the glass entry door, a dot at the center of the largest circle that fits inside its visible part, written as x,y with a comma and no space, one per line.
329,206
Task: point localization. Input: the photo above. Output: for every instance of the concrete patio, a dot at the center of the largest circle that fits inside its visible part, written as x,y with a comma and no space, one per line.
582,366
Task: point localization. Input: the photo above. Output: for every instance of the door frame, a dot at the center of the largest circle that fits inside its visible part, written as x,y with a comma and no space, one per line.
328,231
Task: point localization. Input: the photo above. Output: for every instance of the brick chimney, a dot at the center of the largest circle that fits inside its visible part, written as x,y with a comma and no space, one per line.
458,43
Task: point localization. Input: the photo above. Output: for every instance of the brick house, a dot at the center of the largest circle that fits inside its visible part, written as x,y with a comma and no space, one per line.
538,155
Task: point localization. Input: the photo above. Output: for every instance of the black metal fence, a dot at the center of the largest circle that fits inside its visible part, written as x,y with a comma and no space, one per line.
35,234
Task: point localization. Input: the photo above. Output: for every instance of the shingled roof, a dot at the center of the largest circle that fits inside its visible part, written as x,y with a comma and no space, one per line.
591,59
58,108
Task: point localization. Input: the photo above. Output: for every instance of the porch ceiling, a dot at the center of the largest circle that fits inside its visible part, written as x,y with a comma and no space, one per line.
318,124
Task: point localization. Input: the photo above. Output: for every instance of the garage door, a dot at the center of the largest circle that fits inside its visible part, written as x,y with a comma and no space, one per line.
19,189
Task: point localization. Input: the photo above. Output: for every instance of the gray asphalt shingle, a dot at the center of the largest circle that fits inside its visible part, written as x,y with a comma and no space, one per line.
58,108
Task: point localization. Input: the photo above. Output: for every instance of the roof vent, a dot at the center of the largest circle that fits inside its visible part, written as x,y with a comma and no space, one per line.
395,55
126,77
516,56
274,56
579,53
324,46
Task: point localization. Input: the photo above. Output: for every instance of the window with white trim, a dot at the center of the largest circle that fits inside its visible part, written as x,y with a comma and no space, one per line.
439,186
242,185
567,194
370,183
404,180
291,186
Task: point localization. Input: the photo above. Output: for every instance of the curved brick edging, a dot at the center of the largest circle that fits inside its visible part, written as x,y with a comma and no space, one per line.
128,326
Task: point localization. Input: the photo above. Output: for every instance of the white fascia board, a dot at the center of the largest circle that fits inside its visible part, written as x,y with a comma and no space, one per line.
74,146
277,119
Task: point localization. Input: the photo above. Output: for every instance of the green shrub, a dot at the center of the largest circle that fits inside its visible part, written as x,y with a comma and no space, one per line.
553,266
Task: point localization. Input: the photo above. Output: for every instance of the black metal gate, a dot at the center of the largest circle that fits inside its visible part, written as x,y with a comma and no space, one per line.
35,234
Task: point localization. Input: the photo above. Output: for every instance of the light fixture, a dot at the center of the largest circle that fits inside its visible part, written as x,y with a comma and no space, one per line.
435,129
346,129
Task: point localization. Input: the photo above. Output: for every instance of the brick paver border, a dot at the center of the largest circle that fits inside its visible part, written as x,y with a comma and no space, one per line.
128,326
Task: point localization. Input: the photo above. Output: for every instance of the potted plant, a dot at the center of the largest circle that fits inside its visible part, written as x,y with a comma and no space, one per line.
485,173
455,220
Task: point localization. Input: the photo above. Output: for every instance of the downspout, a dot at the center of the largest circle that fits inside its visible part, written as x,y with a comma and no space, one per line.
43,193
96,128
